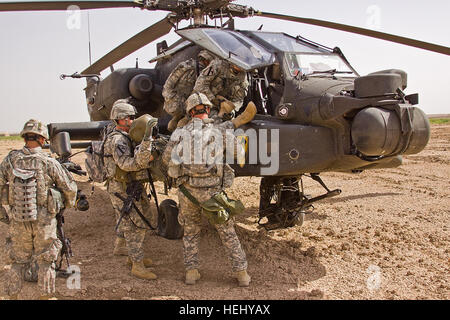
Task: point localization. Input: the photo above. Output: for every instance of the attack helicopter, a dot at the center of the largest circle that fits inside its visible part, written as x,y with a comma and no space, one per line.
327,116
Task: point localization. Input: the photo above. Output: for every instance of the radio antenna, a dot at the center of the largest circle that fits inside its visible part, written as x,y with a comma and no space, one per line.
89,39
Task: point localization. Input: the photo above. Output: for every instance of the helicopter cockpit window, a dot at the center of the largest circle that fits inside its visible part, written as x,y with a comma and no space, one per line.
318,64
232,46
283,42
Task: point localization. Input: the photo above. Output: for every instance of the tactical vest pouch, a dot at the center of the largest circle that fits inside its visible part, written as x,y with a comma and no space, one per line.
5,195
25,193
124,176
55,202
205,182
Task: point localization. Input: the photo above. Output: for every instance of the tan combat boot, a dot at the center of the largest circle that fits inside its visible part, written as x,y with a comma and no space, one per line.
246,116
147,262
243,278
138,270
172,125
120,247
192,276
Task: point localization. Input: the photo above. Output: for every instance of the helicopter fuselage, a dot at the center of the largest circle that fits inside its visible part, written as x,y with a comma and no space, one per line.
315,113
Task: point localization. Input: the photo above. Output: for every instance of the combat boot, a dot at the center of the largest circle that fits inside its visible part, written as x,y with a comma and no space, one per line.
147,262
243,278
183,122
192,276
120,247
172,125
138,270
246,116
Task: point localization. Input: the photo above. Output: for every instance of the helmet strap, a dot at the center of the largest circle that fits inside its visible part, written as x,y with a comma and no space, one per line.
35,138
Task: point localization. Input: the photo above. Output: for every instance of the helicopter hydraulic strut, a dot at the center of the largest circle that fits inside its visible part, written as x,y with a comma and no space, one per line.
291,204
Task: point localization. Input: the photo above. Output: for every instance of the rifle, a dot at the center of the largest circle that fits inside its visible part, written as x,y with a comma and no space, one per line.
134,192
66,251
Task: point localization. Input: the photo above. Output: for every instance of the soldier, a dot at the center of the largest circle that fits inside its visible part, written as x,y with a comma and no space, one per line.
221,82
199,182
179,85
38,188
122,167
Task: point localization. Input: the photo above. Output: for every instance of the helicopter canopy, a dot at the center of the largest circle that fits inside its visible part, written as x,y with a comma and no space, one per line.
230,45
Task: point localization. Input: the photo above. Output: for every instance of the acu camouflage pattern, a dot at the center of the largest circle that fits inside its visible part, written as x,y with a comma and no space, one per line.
179,86
36,240
203,181
119,151
218,79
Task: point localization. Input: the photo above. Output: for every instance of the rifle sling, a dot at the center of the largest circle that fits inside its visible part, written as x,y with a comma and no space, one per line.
153,190
189,195
137,211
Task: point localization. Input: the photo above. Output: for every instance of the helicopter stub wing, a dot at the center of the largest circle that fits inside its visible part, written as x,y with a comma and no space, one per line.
361,31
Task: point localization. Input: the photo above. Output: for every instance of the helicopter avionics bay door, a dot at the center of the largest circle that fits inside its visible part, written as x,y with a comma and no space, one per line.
231,46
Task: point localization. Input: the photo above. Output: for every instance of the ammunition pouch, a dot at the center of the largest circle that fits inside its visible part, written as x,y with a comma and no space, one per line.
124,176
219,208
25,195
55,201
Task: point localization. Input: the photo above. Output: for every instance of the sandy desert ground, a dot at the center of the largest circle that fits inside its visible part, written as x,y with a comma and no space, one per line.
385,237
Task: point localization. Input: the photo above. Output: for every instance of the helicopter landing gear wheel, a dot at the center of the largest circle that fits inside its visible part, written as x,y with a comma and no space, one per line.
287,211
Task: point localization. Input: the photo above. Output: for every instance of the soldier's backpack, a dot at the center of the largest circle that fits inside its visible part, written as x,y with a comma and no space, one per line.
95,165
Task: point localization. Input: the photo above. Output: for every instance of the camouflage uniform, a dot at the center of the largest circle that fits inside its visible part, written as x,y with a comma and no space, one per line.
181,81
35,239
179,86
122,166
218,79
203,181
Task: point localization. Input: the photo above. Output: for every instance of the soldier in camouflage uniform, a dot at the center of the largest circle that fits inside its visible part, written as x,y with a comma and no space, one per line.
179,85
124,166
203,180
38,187
220,82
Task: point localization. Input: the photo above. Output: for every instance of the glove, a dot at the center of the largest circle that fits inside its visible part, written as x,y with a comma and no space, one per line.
149,129
218,100
4,215
226,107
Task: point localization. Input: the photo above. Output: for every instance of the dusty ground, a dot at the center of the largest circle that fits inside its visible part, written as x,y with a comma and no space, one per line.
385,237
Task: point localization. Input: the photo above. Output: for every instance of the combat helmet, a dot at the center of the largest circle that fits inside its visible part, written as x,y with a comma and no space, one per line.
195,99
122,109
205,54
33,126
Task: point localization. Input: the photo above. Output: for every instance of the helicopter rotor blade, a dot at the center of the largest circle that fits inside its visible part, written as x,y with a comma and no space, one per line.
361,31
155,31
63,5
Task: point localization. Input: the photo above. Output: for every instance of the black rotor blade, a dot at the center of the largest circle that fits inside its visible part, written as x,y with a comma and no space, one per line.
63,5
143,38
361,31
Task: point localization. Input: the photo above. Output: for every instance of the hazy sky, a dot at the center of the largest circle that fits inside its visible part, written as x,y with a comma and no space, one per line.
36,47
